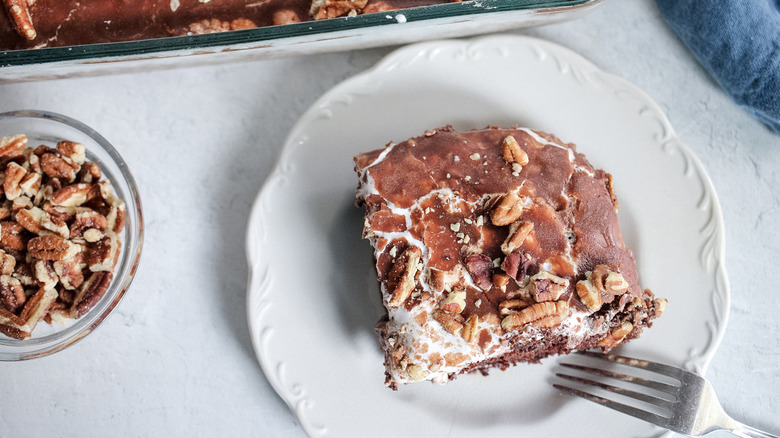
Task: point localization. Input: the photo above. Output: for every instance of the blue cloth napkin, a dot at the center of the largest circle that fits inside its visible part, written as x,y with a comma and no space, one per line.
738,42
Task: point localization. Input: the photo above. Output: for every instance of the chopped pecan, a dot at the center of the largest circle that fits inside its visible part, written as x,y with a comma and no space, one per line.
510,307
89,219
43,149
67,296
518,232
38,221
588,294
116,214
500,280
542,315
73,195
21,202
630,302
417,373
24,273
58,313
617,335
406,264
54,183
607,281
51,247
70,150
660,306
436,279
8,318
11,236
378,6
516,265
12,295
107,192
10,325
19,12
480,267
116,218
90,292
66,214
322,9
454,302
7,263
469,332
14,174
45,275
89,173
598,275
31,184
104,254
56,167
48,188
512,151
99,205
43,196
69,272
36,307
449,321
33,161
12,146
546,286
508,210
615,284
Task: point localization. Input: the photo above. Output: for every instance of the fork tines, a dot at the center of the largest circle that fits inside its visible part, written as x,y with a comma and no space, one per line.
664,405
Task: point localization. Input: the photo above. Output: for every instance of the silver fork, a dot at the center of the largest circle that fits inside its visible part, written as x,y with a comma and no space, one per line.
689,407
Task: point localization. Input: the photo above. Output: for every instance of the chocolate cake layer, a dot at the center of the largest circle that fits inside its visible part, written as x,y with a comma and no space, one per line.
76,22
494,247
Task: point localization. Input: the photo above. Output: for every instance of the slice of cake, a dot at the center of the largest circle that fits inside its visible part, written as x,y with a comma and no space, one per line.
494,247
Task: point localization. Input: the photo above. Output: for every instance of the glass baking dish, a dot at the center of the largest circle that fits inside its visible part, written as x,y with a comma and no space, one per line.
346,33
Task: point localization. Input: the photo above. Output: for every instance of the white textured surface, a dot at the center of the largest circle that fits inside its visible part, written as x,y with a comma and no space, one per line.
175,359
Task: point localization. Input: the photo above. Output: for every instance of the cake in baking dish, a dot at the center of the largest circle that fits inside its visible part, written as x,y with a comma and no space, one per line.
494,247
51,23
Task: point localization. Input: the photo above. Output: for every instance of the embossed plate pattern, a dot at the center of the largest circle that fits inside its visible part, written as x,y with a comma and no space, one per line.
312,296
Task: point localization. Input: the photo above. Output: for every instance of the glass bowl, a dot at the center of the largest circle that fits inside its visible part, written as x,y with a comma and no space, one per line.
46,128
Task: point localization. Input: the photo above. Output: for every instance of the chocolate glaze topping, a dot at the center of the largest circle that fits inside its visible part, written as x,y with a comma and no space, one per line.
437,193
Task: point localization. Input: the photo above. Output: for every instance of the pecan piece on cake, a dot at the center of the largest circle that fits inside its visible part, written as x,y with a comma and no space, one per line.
18,12
322,9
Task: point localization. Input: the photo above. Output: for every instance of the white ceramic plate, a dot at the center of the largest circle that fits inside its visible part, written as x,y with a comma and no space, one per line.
312,296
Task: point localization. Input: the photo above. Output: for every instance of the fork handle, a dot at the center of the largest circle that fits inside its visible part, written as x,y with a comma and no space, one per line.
746,431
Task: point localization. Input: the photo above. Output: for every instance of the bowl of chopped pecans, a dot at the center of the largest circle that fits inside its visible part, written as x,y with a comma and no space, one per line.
71,232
